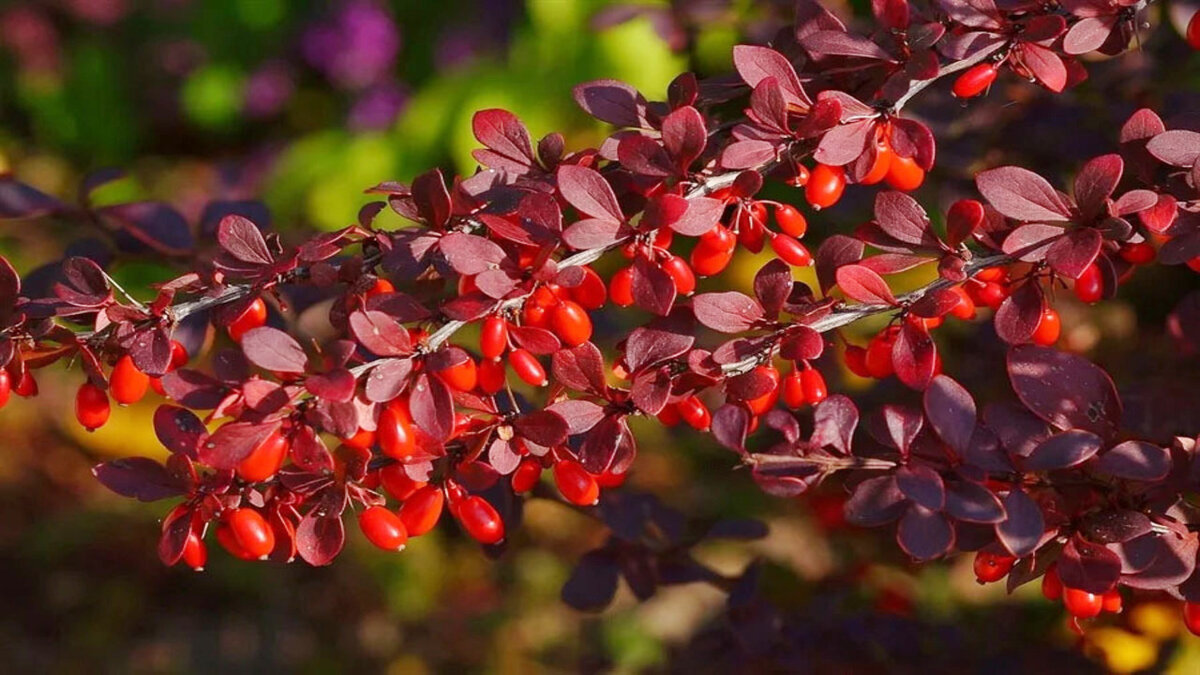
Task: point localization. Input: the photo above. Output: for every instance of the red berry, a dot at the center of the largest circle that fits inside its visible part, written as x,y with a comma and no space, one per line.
991,567
381,287
491,376
91,406
527,475
383,528
254,316
229,542
527,367
713,251
480,520
571,323
1089,287
362,439
1193,38
462,376
620,289
26,386
1191,610
825,186
398,483
1052,587
466,284
694,412
610,479
420,512
252,532
879,357
575,484
1141,253
793,389
1194,264
681,273
395,433
975,80
856,361
493,337
992,274
669,415
1112,601
791,251
751,230
590,293
5,387
814,387
800,178
879,168
535,315
990,294
127,384
1048,329
760,405
791,221
195,553
1081,604
265,460
905,174
965,309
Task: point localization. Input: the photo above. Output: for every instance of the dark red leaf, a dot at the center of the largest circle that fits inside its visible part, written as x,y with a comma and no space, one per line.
922,485
1095,183
1023,195
973,503
1074,253
1021,530
274,350
951,412
588,192
241,239
1062,451
179,430
727,312
233,442
319,538
834,422
379,333
756,63
506,137
432,406
684,135
468,253
730,425
653,288
914,355
1020,314
544,427
580,368
1088,566
611,101
1135,460
387,379
864,285
1064,389
924,534
1178,147
138,477
874,502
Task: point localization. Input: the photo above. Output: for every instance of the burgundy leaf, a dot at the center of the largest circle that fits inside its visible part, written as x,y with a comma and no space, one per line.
1177,147
505,136
588,192
727,312
379,333
951,412
864,285
580,368
1064,389
644,156
653,288
537,340
1062,451
661,339
1135,460
651,389
432,406
843,143
684,135
18,200
1020,314
901,424
611,101
319,538
756,63
470,254
241,239
138,477
973,503
1088,566
233,442
773,285
1074,253
1023,195
701,215
834,422
1088,35
387,380
922,485
730,425
544,427
579,414
834,252
1046,66
179,430
336,385
747,154
1030,243
1021,530
274,350
1095,183
914,355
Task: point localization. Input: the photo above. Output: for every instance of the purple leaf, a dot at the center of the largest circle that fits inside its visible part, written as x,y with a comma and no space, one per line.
241,239
756,63
469,253
1088,566
1062,451
1095,183
611,101
336,385
544,427
973,503
1023,195
874,502
379,333
951,412
834,422
387,380
1064,389
139,477
1021,530
274,350
922,485
747,154
1177,147
18,200
505,136
432,406
653,289
179,430
1135,460
684,135
924,534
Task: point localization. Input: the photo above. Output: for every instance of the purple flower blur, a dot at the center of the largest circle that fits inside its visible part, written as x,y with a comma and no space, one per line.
355,46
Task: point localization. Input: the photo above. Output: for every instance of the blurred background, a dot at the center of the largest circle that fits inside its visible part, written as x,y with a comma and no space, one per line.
303,104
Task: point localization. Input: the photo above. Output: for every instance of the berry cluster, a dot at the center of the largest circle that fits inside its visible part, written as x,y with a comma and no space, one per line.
397,417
